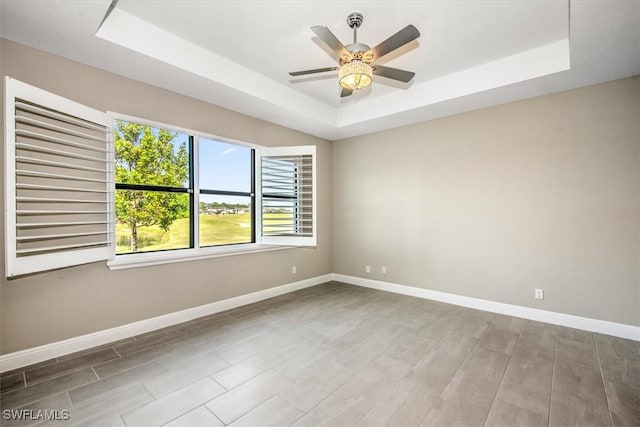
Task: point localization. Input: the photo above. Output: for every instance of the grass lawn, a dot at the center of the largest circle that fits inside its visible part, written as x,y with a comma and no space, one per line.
214,230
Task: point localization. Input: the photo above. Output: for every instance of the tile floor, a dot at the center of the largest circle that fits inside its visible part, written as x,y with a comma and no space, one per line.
340,355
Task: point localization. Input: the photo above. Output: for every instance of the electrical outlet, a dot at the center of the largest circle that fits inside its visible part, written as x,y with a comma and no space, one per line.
294,270
383,270
539,293
367,269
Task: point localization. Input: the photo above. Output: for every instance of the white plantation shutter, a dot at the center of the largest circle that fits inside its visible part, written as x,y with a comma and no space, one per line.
288,196
58,181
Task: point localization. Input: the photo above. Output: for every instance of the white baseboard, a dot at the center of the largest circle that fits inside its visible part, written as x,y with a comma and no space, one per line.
33,355
29,356
577,322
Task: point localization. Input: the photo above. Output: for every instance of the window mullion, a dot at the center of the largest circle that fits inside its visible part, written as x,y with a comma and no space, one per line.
254,223
195,186
145,187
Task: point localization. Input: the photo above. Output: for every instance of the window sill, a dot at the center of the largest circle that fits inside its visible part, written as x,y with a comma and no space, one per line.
121,262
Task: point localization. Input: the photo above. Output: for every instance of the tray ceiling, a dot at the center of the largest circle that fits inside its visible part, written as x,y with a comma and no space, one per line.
237,54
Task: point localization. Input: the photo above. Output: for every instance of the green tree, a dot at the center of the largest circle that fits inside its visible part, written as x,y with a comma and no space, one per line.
148,156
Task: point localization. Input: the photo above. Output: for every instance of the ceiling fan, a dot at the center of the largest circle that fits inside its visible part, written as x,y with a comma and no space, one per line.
356,60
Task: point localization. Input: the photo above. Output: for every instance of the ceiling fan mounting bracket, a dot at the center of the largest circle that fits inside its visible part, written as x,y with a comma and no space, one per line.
354,19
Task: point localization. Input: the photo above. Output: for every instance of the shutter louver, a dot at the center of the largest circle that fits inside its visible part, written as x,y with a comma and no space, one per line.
288,196
58,167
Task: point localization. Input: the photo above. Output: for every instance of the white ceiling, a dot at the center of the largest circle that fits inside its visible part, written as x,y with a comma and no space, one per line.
237,54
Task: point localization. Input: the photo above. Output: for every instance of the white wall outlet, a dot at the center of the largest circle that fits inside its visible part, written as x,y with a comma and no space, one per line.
294,270
539,293
367,269
383,270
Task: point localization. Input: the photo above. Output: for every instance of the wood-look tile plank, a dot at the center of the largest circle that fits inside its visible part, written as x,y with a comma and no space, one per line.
436,369
88,351
574,334
485,365
238,373
379,323
382,412
116,366
39,391
578,401
533,330
362,354
147,341
440,418
349,338
414,354
578,395
182,373
300,341
508,323
467,399
506,414
474,326
527,389
57,402
498,340
536,356
624,402
237,402
217,320
457,346
105,409
308,362
173,405
274,412
403,340
311,390
620,365
12,382
110,384
576,351
407,404
348,404
69,365
200,416
235,352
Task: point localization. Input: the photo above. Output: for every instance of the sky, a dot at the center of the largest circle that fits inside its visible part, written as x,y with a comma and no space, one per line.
223,166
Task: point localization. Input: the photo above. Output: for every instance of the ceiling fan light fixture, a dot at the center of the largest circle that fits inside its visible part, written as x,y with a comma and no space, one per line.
355,75
357,61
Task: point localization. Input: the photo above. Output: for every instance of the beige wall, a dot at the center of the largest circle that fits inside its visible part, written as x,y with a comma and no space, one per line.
494,203
52,306
489,204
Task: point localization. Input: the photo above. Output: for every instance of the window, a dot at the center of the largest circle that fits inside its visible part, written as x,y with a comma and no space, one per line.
156,190
153,198
226,193
80,187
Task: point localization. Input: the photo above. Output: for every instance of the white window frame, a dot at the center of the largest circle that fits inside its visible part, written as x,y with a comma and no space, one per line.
262,244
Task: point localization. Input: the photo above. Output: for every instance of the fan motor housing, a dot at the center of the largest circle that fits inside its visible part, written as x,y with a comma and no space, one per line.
357,47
